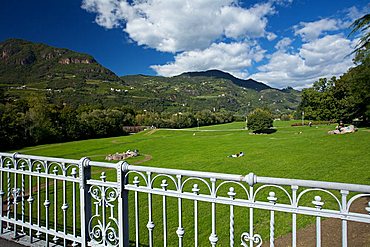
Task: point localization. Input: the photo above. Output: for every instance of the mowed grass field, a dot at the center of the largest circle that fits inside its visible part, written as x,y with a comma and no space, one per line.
291,152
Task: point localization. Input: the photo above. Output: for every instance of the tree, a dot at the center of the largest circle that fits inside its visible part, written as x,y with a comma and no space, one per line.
362,48
41,127
260,120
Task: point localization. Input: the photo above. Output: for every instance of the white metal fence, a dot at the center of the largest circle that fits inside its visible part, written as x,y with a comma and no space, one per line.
53,201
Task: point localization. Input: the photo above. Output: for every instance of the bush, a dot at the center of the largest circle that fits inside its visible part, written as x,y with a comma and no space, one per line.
260,120
285,117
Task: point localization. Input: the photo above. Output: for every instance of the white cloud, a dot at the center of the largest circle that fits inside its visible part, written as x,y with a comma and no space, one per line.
271,36
233,58
324,57
354,13
283,43
110,18
312,30
182,25
210,34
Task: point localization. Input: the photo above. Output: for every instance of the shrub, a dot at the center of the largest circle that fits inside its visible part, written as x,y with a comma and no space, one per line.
259,120
285,117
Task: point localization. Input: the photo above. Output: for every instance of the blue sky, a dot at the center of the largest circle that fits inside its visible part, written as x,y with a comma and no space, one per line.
279,42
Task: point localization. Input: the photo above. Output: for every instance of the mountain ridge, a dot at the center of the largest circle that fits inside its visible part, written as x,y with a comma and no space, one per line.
23,61
69,77
248,83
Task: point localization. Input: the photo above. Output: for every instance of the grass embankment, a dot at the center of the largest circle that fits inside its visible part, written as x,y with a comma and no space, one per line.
291,152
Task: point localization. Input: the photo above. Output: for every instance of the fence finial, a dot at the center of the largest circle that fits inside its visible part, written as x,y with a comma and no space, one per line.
85,161
14,155
124,165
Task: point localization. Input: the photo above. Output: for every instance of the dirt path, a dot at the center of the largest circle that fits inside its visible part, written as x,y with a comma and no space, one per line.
147,157
331,232
151,132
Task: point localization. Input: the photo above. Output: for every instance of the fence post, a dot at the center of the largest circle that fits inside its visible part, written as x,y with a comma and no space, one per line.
85,199
123,224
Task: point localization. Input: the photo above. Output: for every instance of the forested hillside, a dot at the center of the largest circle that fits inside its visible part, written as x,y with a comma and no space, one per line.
49,94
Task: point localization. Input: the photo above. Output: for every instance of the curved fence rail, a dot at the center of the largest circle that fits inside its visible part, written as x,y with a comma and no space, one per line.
65,202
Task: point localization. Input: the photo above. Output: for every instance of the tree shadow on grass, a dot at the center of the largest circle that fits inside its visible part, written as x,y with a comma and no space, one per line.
265,131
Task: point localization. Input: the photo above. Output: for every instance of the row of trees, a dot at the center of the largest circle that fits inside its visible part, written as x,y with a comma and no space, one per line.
37,121
347,97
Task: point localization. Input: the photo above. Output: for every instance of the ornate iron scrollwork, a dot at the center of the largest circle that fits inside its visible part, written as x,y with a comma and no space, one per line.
246,237
103,229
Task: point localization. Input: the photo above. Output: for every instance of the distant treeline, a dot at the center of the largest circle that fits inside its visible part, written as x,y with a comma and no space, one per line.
37,121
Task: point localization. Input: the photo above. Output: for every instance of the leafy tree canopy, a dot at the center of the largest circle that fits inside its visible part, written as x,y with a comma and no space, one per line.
260,120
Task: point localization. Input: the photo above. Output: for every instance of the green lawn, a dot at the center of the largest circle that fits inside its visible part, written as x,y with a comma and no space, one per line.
313,154
290,152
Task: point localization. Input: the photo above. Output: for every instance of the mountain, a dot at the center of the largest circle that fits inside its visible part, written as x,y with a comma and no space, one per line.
66,77
212,90
249,83
23,62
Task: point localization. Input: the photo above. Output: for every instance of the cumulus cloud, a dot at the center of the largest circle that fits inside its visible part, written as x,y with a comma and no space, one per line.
209,34
324,57
182,25
312,30
309,31
283,44
354,13
230,57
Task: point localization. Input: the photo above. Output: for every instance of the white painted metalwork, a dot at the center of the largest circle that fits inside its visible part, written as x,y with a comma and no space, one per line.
59,201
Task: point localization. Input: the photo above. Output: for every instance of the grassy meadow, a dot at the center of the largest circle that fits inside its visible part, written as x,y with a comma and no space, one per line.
290,152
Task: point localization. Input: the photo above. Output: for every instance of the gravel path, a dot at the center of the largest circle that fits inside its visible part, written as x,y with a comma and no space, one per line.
331,232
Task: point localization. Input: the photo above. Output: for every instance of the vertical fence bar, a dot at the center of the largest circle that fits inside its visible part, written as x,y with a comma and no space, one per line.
74,173
150,224
318,204
180,230
30,199
318,231
23,195
344,222
137,230
1,195
103,205
231,194
65,207
47,204
38,169
164,206
213,237
294,215
15,197
85,199
251,195
8,195
195,190
123,219
55,171
272,199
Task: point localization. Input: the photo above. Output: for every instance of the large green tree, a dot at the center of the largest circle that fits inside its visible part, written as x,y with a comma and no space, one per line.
348,97
260,120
